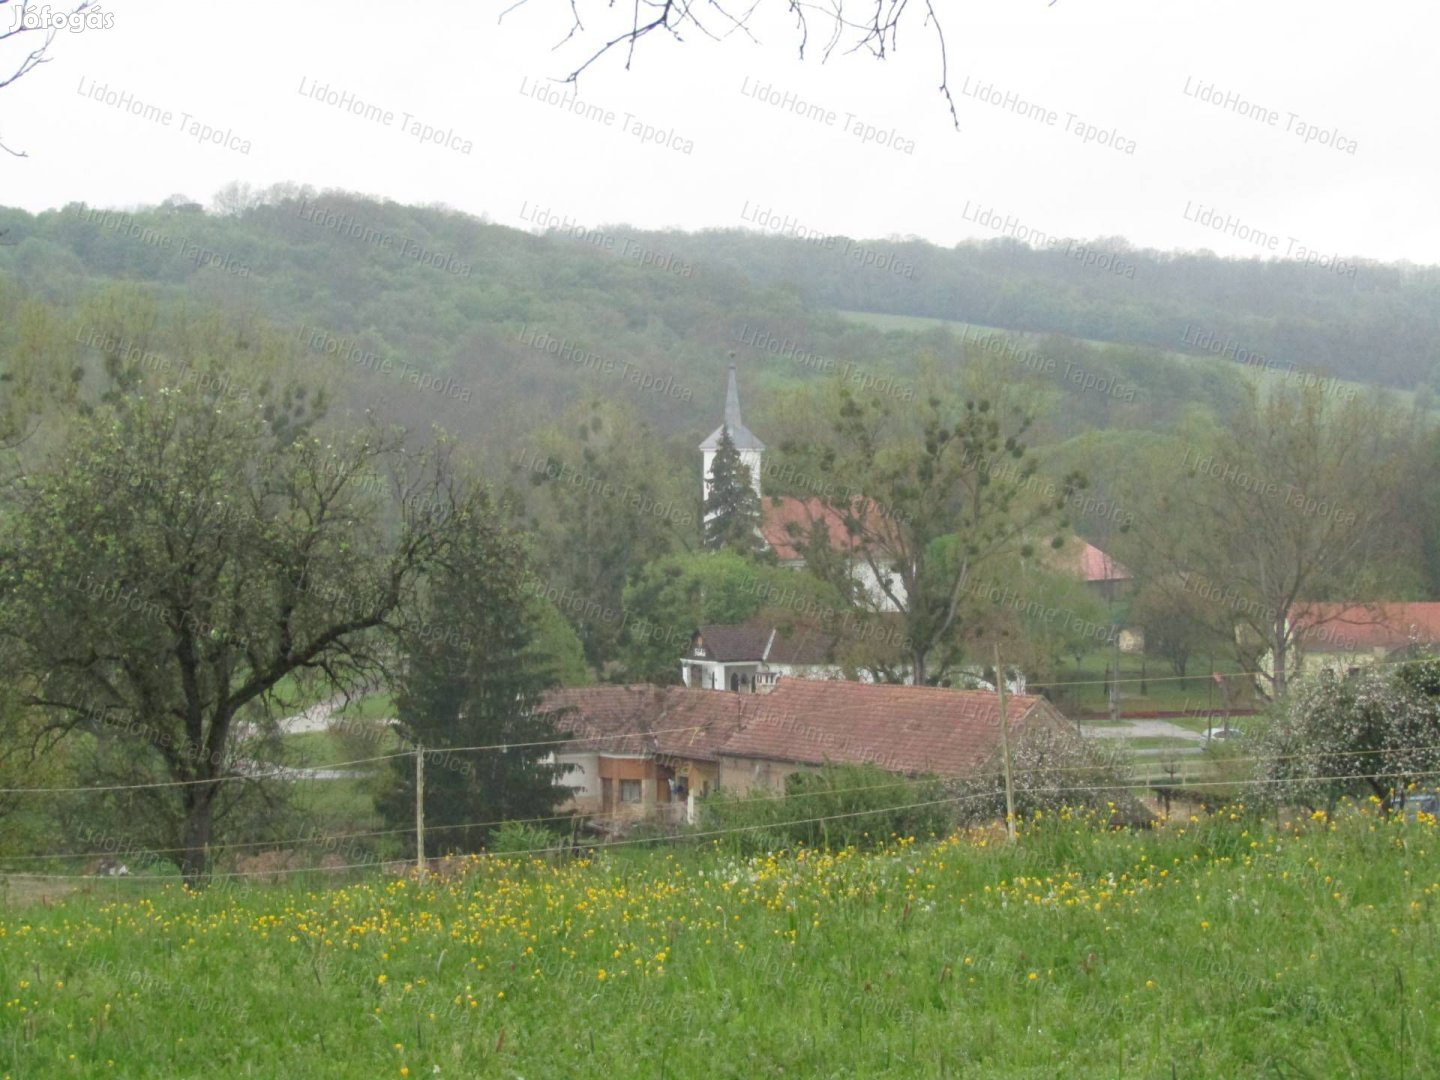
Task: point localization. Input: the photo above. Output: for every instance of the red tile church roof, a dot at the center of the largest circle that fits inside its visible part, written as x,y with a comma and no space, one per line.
779,512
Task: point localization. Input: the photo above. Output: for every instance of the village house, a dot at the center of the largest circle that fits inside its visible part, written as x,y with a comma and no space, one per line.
1103,575
647,752
1342,639
751,657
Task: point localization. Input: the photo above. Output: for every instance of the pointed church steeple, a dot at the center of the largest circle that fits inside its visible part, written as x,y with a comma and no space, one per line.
745,440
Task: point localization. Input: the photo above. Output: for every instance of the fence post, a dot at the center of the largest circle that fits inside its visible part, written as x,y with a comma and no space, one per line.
420,811
1005,748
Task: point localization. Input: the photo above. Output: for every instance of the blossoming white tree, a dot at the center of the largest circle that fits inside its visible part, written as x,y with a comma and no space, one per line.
1374,733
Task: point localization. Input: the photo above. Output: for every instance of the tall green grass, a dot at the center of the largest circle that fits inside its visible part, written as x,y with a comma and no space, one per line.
1223,946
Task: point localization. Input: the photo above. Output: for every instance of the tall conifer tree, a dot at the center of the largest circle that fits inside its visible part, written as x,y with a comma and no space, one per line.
732,511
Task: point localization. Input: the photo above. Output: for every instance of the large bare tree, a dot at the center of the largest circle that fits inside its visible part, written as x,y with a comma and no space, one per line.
1281,505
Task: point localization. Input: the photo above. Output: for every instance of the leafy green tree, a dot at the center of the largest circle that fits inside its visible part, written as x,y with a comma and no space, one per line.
473,676
933,496
39,365
179,558
732,510
1046,616
557,644
1177,622
673,596
604,499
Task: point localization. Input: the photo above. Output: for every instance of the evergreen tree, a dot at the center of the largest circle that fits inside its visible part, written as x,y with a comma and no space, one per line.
732,511
474,677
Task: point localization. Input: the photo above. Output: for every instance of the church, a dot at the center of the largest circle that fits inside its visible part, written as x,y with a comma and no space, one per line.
784,520
751,658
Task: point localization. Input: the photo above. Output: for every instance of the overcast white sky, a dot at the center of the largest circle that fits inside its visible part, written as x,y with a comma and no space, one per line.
1356,74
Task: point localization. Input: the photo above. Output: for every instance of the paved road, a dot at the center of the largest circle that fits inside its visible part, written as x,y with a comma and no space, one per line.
1139,729
315,718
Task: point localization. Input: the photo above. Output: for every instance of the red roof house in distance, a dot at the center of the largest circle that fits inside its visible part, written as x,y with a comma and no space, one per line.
1345,637
1106,576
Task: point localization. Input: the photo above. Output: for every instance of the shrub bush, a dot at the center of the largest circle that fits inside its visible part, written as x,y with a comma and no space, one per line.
835,806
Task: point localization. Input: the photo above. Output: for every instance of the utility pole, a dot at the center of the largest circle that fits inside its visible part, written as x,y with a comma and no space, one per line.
1005,749
1115,678
420,811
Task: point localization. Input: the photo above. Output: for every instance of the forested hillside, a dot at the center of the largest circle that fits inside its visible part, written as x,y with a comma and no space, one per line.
1347,318
430,316
496,328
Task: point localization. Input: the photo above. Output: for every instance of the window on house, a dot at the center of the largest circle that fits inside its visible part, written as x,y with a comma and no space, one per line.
630,791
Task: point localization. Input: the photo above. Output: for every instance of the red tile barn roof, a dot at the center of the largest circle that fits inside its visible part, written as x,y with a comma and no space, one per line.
645,719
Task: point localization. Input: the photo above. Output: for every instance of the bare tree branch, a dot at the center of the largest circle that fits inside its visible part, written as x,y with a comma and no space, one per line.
876,31
38,52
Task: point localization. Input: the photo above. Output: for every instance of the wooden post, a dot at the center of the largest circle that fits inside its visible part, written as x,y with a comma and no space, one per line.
420,811
1005,748
1115,678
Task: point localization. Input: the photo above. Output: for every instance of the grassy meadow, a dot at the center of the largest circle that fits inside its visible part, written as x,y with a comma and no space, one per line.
1215,946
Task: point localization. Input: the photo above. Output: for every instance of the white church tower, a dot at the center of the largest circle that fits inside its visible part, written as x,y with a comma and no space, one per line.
750,447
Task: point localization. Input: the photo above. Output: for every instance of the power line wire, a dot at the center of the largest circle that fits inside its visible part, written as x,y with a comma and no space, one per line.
708,834
1118,785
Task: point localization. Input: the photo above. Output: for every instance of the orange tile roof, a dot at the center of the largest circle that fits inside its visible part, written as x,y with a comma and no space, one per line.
906,729
642,719
1362,627
779,512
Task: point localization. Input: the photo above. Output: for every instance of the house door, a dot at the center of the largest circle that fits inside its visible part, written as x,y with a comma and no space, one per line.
607,795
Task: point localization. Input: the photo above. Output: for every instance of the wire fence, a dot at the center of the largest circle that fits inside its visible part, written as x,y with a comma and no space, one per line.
1050,790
